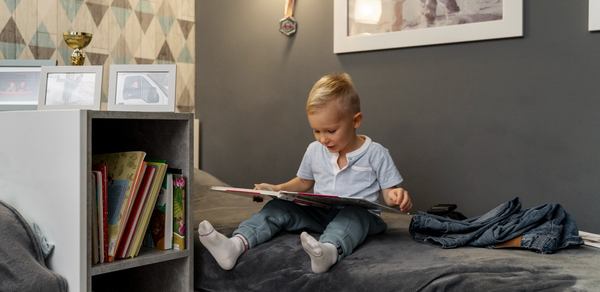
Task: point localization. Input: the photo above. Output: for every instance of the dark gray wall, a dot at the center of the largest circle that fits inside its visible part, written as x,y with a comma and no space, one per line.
469,123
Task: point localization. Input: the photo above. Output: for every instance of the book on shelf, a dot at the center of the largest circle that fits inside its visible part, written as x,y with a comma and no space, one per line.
98,214
136,210
142,225
179,223
124,171
103,201
161,222
95,241
303,198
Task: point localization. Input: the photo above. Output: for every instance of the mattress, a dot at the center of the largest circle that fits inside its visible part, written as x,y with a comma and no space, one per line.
391,261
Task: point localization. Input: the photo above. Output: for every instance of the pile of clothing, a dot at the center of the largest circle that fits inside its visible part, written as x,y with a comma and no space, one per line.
545,229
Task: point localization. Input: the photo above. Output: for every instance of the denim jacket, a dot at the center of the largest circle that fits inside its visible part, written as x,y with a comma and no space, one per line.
545,228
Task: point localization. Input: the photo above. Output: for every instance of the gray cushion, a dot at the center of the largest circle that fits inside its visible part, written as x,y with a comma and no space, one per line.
22,265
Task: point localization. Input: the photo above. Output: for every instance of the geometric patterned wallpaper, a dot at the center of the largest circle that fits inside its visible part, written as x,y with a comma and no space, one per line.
124,32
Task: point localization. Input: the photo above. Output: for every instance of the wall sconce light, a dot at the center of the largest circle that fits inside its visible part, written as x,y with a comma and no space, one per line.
367,11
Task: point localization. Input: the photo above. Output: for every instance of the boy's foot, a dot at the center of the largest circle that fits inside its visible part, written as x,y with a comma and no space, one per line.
225,250
323,255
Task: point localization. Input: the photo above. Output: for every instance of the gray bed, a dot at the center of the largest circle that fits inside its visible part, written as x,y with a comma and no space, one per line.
392,261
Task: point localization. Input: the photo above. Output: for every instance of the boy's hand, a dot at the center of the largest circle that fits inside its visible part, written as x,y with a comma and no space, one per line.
266,187
399,197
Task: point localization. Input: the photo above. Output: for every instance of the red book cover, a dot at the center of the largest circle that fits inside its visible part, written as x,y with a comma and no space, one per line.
136,209
104,223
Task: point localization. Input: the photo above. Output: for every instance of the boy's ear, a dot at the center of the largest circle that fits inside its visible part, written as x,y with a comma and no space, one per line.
357,119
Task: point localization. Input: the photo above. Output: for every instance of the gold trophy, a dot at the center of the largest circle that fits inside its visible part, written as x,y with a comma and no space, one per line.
78,41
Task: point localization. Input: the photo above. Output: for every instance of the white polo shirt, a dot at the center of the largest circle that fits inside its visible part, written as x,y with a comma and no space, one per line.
370,169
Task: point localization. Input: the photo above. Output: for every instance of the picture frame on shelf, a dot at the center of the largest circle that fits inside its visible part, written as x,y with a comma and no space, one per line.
20,83
594,15
70,87
142,87
365,25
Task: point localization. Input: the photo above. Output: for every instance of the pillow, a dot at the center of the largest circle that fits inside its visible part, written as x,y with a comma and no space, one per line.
22,262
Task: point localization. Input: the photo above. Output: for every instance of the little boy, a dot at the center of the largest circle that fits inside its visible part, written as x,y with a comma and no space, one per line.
339,162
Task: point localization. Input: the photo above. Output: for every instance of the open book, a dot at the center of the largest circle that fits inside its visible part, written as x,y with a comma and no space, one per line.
301,198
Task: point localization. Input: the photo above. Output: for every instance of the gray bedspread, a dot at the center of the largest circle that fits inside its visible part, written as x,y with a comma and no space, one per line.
392,261
22,264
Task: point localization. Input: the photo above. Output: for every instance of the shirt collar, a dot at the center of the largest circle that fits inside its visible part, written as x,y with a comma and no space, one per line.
354,154
361,150
351,156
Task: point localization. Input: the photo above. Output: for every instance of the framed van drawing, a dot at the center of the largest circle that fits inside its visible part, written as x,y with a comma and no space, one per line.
20,83
70,87
364,25
142,88
594,15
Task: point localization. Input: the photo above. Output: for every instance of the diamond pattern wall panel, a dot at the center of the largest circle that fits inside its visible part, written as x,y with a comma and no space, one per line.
125,32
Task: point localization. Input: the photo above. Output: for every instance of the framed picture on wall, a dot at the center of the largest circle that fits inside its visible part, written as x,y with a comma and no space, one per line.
20,83
142,88
594,15
364,25
70,87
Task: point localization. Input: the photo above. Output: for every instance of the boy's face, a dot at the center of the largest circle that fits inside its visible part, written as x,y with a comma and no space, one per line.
335,128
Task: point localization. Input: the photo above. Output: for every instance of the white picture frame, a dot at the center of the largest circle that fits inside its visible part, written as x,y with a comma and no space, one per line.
594,15
149,88
20,83
357,28
70,87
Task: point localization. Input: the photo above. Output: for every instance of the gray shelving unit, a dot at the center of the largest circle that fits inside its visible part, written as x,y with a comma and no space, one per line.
166,136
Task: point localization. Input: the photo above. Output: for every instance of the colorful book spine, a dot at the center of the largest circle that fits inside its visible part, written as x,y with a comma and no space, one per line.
99,212
161,222
179,223
161,169
95,241
104,171
136,210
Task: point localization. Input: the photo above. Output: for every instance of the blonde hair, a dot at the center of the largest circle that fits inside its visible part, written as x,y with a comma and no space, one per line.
335,86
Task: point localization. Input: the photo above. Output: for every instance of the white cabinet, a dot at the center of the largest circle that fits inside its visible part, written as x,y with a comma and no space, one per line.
45,159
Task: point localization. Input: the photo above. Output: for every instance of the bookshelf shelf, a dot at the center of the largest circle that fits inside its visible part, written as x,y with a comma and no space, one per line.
47,160
146,257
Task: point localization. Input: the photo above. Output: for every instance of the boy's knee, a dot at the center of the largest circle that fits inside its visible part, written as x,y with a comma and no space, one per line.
355,211
365,219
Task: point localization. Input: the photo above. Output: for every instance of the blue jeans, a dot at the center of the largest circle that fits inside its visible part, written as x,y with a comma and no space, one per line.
545,228
345,227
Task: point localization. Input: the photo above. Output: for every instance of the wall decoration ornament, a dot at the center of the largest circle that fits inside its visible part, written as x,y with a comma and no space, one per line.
288,24
594,15
364,25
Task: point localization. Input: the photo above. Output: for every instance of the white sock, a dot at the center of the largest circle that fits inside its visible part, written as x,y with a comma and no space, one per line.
323,255
225,250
